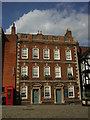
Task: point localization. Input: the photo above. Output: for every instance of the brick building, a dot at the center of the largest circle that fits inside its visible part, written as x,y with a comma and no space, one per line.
42,68
47,68
9,60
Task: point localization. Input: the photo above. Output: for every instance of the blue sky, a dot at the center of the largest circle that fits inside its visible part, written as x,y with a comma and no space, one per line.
51,18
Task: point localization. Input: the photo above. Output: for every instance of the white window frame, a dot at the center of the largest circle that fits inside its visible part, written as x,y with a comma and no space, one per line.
71,70
22,70
58,54
70,90
47,97
47,54
26,87
35,67
45,70
34,53
59,72
24,51
69,54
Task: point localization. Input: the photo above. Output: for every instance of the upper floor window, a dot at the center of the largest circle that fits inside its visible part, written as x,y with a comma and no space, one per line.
46,53
70,71
46,70
68,55
57,72
71,91
24,54
24,70
36,72
56,54
47,92
23,92
35,53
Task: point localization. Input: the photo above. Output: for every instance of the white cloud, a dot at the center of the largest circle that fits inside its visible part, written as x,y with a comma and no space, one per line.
54,22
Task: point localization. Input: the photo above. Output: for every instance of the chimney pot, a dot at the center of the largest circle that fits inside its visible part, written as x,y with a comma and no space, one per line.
38,32
13,29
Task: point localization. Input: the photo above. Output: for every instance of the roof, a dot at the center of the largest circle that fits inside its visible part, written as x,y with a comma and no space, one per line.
83,49
87,52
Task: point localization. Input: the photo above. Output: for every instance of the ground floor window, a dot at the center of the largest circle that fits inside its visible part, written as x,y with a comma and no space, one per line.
47,92
23,92
71,91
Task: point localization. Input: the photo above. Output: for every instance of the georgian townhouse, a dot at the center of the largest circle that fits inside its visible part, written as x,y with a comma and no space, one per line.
47,69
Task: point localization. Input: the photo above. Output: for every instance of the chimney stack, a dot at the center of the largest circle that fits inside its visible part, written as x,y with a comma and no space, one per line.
68,33
40,32
13,29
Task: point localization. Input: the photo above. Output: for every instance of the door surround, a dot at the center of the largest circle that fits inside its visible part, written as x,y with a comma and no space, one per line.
33,88
62,92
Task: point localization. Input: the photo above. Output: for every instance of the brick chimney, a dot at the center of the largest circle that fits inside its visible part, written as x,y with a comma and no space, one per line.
68,33
13,29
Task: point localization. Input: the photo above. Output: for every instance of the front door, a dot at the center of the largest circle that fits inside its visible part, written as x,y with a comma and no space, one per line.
58,96
36,96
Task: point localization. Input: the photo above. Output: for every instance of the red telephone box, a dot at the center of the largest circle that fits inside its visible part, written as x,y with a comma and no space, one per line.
9,95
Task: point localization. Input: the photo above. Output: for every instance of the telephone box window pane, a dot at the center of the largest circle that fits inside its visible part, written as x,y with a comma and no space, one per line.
9,95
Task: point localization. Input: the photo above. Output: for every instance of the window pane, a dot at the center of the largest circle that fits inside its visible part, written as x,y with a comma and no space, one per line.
24,70
56,54
35,71
46,71
47,92
46,53
24,53
71,91
23,92
57,72
68,55
35,53
70,71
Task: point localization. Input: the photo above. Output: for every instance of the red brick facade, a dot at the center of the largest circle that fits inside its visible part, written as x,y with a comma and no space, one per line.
51,42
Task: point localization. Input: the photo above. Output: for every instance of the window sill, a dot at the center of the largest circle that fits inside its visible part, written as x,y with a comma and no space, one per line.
24,58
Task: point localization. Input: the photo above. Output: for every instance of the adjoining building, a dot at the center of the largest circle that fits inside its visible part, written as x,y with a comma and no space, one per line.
9,42
85,77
